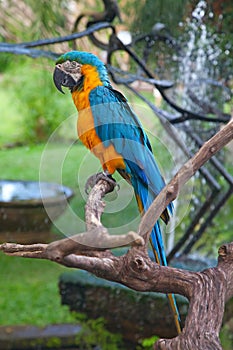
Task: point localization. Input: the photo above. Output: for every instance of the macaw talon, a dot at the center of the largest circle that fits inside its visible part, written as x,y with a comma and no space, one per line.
94,179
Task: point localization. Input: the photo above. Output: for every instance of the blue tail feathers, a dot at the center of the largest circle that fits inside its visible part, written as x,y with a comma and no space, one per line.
157,241
157,244
145,199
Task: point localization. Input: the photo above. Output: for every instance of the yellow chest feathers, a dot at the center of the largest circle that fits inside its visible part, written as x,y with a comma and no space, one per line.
85,126
108,157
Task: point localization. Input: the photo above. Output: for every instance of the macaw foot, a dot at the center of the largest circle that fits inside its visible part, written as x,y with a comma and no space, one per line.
93,179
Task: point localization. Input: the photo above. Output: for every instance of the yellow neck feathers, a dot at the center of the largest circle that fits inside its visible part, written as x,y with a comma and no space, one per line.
91,81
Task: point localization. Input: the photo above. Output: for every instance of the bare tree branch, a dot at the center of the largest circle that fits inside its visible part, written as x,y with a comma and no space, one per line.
207,291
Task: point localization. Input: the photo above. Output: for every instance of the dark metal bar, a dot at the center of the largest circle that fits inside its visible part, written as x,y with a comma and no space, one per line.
201,212
208,221
70,37
214,160
34,53
203,171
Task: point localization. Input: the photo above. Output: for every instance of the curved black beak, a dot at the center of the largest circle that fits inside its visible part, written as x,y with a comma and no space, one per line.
58,77
62,78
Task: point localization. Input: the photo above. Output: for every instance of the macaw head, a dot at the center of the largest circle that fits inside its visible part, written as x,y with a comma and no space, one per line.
69,73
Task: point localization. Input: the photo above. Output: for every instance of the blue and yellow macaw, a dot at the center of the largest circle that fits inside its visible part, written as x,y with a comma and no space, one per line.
110,129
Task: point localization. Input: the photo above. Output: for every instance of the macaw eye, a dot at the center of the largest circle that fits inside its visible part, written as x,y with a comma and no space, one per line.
74,64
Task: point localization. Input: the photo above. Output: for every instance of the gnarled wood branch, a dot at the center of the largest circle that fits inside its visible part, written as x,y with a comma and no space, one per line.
207,291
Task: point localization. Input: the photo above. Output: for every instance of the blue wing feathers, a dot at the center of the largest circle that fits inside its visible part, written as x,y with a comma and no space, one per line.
117,124
156,234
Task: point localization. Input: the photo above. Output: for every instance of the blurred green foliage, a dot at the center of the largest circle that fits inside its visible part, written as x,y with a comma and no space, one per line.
31,100
94,332
168,12
176,16
26,20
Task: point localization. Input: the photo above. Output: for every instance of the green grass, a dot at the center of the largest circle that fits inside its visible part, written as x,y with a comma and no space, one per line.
21,163
29,292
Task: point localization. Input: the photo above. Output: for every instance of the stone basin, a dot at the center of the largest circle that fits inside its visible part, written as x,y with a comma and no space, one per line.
30,207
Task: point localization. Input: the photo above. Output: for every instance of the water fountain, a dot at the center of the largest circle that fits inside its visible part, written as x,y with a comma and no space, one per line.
23,218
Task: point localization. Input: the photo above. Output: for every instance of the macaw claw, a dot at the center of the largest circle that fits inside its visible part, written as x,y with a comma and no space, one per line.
94,179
